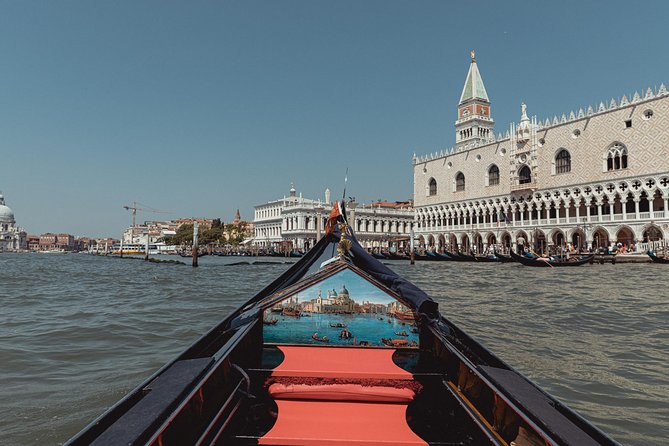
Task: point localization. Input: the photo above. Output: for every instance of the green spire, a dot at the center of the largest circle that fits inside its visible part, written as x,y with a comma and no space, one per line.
474,88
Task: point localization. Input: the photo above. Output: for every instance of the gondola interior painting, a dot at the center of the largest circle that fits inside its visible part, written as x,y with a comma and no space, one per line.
343,309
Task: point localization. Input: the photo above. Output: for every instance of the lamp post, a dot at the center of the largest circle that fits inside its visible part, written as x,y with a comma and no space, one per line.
584,227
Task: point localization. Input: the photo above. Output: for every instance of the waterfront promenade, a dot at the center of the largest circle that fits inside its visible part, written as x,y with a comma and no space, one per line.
74,346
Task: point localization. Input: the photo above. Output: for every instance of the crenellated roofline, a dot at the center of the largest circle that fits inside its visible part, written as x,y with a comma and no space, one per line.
590,111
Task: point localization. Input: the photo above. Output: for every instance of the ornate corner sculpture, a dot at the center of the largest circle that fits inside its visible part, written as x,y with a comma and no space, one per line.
344,244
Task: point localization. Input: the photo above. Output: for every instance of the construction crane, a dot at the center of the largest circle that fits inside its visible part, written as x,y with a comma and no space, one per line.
146,208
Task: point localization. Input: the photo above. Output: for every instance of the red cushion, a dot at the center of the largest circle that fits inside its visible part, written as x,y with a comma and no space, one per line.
339,362
341,392
320,423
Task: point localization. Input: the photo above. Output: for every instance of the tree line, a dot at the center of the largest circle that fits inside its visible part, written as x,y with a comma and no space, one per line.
217,234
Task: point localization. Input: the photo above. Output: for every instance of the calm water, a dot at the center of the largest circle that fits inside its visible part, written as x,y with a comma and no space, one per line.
77,332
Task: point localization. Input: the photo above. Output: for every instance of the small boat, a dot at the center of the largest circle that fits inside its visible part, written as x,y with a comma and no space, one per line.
270,321
337,325
547,262
316,338
487,258
504,259
345,334
240,384
396,256
395,342
405,316
401,333
460,257
291,312
657,259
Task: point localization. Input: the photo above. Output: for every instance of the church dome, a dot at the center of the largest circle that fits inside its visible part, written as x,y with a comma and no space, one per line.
343,291
6,214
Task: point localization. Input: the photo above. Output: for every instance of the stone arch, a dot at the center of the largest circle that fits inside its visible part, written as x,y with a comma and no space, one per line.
561,161
459,182
431,187
625,235
557,237
506,240
615,157
465,243
539,241
492,176
651,233
441,243
421,241
477,243
430,241
577,238
453,242
491,239
600,237
524,174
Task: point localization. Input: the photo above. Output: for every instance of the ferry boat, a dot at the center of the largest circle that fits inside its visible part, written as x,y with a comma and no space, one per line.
246,383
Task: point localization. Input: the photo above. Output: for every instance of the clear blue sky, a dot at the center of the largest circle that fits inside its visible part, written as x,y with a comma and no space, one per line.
204,107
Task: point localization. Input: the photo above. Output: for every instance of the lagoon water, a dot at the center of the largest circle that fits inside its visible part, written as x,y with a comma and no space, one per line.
78,332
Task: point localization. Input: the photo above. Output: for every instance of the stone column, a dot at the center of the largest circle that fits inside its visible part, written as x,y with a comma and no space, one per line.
319,218
636,206
350,207
578,212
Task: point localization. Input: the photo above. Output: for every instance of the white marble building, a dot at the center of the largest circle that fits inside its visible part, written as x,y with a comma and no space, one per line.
291,222
589,178
12,238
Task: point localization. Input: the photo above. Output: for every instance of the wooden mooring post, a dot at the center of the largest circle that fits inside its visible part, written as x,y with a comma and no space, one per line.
413,259
146,248
194,250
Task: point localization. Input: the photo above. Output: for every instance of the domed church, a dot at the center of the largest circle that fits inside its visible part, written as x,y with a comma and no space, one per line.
12,238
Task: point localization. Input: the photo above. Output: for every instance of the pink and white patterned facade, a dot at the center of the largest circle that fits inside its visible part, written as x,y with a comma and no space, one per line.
591,178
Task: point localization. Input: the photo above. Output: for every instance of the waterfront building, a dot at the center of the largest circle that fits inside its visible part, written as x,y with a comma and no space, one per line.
56,242
590,178
12,237
33,242
292,222
157,230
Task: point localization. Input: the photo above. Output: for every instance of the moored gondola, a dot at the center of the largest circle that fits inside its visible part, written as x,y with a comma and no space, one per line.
487,258
248,383
548,263
657,259
461,257
503,258
396,256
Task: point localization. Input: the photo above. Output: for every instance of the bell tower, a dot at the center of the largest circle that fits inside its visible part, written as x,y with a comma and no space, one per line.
474,123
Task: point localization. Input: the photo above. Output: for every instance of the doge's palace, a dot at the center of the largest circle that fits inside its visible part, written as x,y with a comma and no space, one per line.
589,178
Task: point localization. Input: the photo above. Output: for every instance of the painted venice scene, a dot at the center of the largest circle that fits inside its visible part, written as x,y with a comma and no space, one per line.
344,309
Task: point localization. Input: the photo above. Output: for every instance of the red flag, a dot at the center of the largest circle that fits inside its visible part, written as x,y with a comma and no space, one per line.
332,219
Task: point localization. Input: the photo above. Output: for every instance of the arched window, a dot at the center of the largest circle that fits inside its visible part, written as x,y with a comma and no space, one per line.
563,162
432,187
493,175
460,182
524,175
616,158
